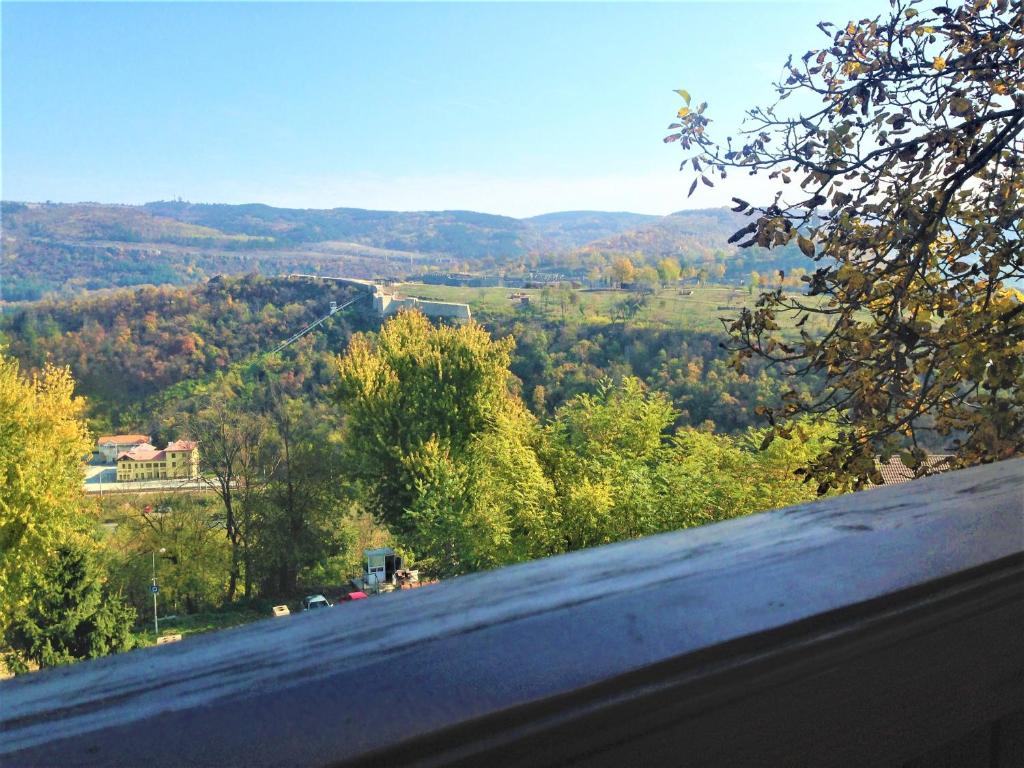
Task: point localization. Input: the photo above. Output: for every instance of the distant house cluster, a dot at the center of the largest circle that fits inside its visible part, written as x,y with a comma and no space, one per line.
137,459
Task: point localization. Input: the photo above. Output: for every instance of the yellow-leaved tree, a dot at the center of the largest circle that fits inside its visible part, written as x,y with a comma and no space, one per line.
42,442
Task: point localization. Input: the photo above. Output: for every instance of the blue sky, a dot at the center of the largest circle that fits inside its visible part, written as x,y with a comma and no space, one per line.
506,108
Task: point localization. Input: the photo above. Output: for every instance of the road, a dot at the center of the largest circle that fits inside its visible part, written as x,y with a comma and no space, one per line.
101,479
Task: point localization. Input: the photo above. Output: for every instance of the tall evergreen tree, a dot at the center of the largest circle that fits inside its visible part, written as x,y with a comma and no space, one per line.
71,615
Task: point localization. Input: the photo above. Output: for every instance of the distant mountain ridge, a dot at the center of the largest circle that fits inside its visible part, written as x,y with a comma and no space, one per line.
65,248
574,229
465,234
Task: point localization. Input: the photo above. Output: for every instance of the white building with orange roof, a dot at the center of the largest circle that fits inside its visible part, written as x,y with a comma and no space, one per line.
110,447
179,460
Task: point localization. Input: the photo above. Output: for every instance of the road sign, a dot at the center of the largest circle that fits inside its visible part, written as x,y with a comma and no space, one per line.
154,589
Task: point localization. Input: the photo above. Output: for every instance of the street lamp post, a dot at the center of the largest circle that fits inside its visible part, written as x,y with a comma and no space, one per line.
154,589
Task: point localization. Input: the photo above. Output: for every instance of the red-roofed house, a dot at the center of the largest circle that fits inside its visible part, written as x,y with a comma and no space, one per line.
180,459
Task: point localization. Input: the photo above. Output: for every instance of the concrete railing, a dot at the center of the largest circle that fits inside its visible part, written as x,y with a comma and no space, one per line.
880,628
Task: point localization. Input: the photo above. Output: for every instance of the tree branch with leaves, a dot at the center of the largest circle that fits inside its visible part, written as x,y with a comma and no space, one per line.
898,151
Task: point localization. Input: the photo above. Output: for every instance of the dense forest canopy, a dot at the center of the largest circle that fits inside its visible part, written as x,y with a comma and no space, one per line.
126,346
131,351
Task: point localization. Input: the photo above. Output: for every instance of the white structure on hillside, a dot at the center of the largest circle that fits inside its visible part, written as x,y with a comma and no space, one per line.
387,302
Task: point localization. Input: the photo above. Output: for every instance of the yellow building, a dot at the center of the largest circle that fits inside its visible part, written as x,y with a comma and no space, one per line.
179,460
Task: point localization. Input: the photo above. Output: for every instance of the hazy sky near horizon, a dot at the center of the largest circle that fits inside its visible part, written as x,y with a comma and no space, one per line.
516,109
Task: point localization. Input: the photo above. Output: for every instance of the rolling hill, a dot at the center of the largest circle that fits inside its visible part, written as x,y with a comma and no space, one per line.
64,249
574,229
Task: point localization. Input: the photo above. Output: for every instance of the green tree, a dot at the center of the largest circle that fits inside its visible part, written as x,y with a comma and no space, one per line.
488,507
509,485
602,455
42,444
711,477
439,524
539,400
440,447
413,384
71,615
574,301
900,172
669,271
301,524
235,463
647,278
196,559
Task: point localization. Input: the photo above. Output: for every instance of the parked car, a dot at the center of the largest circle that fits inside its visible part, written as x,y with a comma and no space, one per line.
347,596
309,602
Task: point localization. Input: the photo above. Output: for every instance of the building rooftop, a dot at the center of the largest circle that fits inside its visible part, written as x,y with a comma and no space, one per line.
147,452
894,471
122,439
142,453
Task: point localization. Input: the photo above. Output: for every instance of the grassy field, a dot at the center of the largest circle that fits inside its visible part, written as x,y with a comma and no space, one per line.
700,311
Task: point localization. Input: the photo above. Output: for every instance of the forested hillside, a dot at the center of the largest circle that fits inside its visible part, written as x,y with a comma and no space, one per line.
698,238
56,249
130,345
51,250
129,349
573,229
565,430
414,435
464,234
